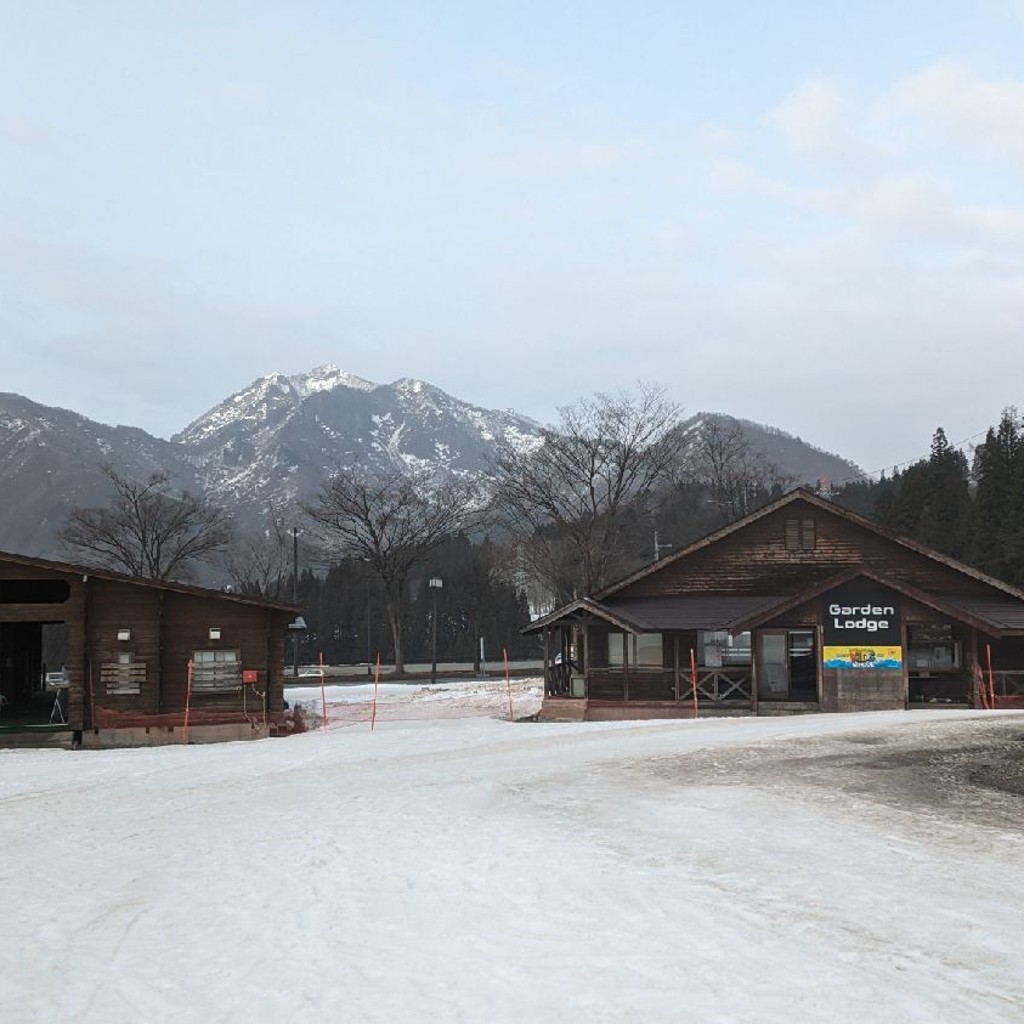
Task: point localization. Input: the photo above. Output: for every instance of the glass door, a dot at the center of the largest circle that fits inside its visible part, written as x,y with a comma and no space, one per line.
787,665
803,665
772,665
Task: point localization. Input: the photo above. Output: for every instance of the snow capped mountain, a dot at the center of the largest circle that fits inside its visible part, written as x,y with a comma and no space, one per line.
264,450
273,443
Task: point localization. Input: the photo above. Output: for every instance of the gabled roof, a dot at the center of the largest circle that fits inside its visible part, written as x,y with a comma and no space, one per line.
68,569
690,611
954,607
802,494
655,614
581,609
1000,614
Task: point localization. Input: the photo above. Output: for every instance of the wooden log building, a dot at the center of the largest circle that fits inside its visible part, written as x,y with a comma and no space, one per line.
108,656
800,606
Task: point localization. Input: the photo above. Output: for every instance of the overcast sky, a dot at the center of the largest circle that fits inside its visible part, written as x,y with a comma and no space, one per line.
809,214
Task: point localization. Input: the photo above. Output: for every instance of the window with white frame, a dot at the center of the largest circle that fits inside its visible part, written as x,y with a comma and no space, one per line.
216,671
718,648
645,650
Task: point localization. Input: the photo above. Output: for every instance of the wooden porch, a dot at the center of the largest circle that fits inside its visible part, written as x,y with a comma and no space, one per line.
714,685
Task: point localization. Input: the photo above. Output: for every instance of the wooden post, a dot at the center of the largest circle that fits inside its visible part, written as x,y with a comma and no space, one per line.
819,660
904,638
323,691
972,664
991,680
548,667
675,663
753,672
188,704
626,667
693,681
160,651
585,655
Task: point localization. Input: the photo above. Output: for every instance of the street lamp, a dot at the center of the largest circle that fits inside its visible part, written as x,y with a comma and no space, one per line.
295,600
435,583
296,627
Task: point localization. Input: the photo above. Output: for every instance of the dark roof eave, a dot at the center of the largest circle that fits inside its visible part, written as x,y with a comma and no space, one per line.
586,608
69,569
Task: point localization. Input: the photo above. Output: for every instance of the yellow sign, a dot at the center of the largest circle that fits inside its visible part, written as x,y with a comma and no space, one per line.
863,657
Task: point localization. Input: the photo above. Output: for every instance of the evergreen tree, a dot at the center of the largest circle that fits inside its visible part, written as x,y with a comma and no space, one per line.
930,501
999,472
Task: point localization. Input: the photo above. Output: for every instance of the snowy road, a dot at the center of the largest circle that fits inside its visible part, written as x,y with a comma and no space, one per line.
732,870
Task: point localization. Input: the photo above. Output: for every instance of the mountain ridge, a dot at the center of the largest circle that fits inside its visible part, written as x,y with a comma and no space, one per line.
269,446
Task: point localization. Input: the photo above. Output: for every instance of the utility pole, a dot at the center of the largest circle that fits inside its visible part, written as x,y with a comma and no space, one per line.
295,598
369,638
658,548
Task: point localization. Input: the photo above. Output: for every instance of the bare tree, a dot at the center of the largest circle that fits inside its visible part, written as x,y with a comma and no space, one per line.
262,566
391,522
147,530
569,501
738,477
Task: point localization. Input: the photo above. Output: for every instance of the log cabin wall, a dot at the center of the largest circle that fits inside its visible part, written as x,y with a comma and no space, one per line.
129,643
243,628
117,608
757,560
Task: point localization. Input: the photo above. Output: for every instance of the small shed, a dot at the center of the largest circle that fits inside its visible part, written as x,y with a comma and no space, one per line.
800,606
124,661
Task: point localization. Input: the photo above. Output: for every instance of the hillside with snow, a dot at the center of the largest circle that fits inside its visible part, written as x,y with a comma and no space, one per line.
273,443
265,449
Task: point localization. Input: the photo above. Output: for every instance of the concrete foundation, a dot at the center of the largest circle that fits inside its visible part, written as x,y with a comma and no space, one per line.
155,736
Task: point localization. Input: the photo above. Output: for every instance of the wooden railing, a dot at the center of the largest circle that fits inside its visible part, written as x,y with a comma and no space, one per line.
714,685
719,684
1008,683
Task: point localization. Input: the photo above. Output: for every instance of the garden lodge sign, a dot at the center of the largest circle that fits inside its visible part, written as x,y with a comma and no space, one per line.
862,627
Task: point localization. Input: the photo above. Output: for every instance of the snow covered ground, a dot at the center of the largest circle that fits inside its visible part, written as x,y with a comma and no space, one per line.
821,868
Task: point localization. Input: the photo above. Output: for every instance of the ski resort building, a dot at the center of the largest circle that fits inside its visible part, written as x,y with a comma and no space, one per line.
96,658
800,606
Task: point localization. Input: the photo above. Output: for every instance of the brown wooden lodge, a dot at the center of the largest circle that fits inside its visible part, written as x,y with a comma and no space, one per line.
800,606
96,658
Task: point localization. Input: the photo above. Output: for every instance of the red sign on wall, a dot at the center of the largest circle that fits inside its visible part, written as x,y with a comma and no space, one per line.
250,677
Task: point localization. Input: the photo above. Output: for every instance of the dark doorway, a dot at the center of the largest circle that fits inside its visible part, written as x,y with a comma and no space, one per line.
33,678
803,666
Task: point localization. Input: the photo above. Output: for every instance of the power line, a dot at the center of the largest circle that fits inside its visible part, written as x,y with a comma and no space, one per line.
896,466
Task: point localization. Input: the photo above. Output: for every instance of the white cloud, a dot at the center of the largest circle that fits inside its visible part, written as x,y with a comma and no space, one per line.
815,121
981,112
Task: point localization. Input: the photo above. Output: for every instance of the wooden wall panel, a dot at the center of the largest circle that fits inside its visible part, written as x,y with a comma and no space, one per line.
755,560
167,627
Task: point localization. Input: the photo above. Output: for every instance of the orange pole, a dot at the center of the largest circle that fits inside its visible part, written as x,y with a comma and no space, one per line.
376,677
323,691
693,679
188,704
92,695
508,682
991,681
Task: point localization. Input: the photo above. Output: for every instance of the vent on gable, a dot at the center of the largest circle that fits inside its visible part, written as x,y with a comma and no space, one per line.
800,535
